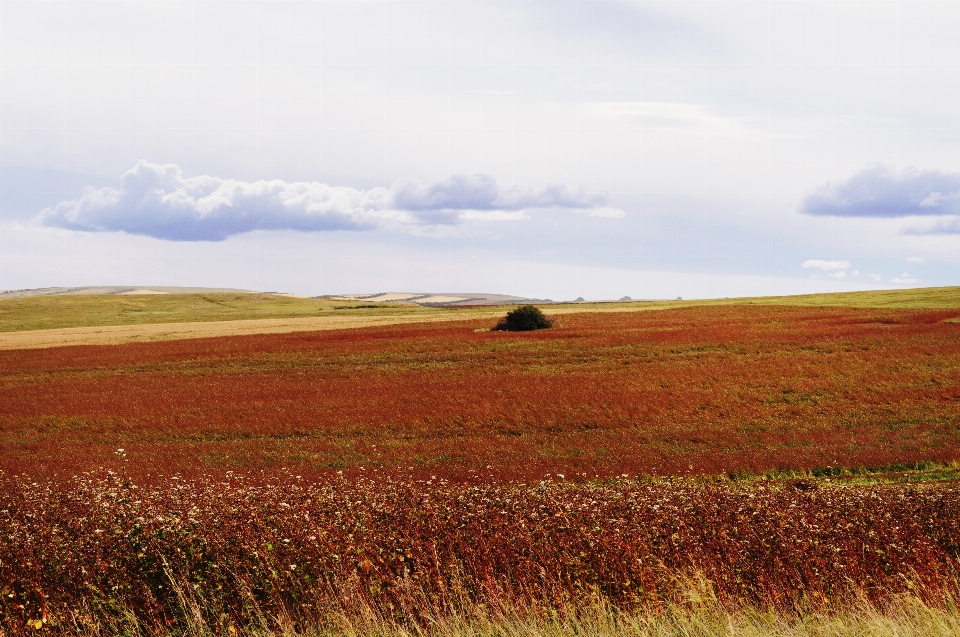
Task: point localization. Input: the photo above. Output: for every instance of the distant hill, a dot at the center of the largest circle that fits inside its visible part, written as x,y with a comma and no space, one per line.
428,299
437,298
117,289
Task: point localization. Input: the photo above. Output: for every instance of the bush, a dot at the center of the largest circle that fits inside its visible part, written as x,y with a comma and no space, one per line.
522,319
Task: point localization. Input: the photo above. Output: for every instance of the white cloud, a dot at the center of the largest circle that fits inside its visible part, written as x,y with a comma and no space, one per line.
903,278
606,212
838,275
493,215
827,266
875,277
933,200
916,260
158,201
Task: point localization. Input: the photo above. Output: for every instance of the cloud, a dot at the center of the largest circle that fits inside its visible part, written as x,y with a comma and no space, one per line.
827,266
877,191
158,201
903,278
942,225
916,260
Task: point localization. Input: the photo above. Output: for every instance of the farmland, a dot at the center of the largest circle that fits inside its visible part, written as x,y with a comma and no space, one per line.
238,550
773,456
90,310
699,390
102,319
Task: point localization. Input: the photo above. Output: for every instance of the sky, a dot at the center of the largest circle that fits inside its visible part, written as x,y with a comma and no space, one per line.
553,149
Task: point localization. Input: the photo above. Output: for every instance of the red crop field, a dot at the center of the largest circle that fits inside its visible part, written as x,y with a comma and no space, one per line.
413,471
291,548
694,391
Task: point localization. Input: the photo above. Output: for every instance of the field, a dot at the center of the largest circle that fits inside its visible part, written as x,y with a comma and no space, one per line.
798,457
102,319
92,310
699,390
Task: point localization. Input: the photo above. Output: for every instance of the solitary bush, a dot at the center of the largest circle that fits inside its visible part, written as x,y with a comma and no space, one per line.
524,318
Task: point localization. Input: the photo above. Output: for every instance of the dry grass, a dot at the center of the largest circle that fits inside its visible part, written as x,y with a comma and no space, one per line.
902,617
908,618
119,334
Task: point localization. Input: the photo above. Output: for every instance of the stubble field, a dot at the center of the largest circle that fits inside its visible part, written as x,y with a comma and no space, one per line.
766,455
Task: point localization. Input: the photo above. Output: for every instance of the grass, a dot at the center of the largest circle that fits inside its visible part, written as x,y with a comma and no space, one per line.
90,310
95,310
909,620
915,298
905,617
920,298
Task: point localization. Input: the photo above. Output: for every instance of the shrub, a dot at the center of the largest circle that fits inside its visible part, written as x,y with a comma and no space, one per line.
524,318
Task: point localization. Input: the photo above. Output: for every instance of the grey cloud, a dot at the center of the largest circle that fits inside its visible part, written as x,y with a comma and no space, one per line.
944,225
481,192
460,192
158,201
877,191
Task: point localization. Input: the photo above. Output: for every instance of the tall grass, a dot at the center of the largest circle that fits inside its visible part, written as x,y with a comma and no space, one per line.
699,614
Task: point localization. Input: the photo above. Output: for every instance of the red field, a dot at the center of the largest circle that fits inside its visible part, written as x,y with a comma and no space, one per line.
690,391
243,549
413,470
